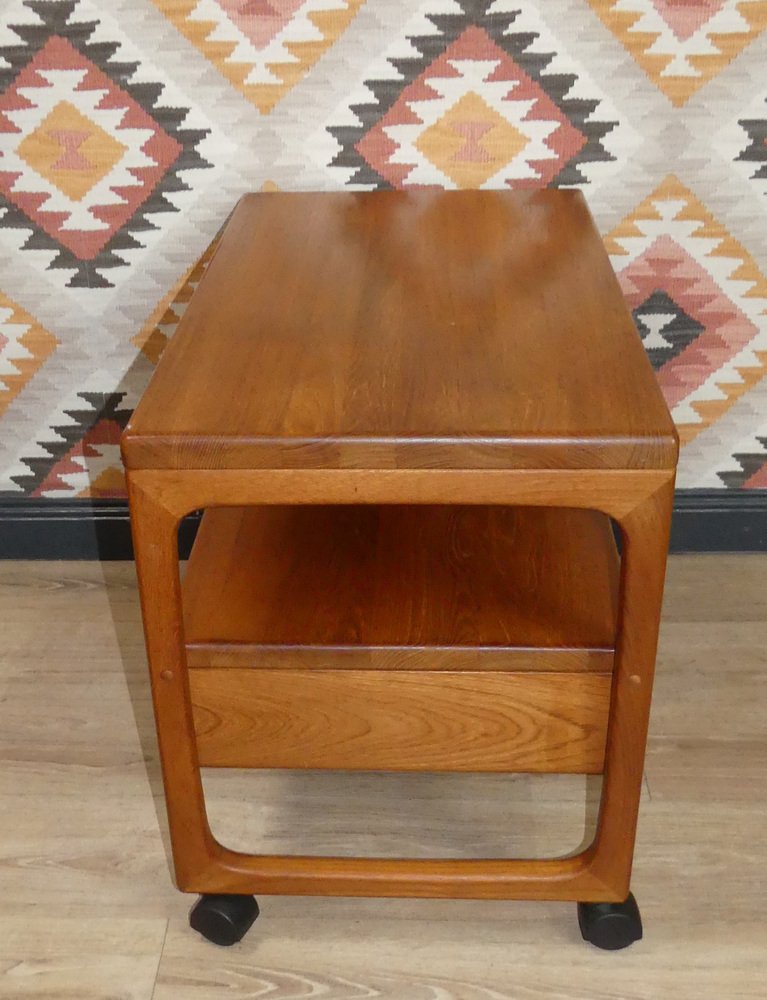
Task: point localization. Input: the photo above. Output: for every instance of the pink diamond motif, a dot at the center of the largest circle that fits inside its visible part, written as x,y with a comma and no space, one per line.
260,20
685,17
70,142
666,265
159,150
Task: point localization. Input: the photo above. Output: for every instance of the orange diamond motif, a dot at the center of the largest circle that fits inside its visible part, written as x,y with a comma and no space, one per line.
471,142
683,44
25,345
263,47
71,151
471,114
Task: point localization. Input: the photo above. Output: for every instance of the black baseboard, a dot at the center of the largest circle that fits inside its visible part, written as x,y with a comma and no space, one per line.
719,521
704,521
73,529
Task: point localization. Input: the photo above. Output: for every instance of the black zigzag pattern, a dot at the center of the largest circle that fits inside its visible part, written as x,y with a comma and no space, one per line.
97,406
58,18
750,463
756,151
518,46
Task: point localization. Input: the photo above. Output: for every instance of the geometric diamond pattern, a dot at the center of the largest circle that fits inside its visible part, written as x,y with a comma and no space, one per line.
263,47
129,129
81,456
698,298
682,44
70,150
470,141
89,154
480,101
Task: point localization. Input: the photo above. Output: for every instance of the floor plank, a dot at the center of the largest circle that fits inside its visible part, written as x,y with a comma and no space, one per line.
84,878
49,957
716,587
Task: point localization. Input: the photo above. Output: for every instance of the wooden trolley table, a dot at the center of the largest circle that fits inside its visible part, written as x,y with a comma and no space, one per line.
410,418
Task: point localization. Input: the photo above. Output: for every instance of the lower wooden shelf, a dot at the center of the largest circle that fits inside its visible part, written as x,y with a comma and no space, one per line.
402,638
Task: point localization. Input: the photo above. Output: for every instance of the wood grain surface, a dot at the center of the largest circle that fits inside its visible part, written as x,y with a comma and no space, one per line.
89,910
382,583
503,347
611,491
416,721
47,957
600,872
436,330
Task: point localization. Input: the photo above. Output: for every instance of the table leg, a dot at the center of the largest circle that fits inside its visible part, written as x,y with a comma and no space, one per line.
156,553
645,533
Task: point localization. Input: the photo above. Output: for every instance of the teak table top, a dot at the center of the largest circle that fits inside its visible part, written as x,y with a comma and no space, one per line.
465,330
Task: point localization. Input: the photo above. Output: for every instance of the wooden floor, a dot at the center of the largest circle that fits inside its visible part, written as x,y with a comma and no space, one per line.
87,908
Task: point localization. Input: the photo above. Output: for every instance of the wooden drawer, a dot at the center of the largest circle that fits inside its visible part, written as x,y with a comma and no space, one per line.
409,721
402,638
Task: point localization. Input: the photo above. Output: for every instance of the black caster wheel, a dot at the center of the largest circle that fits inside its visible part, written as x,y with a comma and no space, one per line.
222,919
610,926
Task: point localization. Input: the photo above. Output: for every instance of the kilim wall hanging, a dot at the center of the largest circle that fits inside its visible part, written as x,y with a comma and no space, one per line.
129,128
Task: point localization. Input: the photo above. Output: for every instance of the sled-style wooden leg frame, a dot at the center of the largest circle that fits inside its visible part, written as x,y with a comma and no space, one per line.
412,420
639,501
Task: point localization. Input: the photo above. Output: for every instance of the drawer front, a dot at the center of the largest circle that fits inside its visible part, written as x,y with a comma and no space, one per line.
413,721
